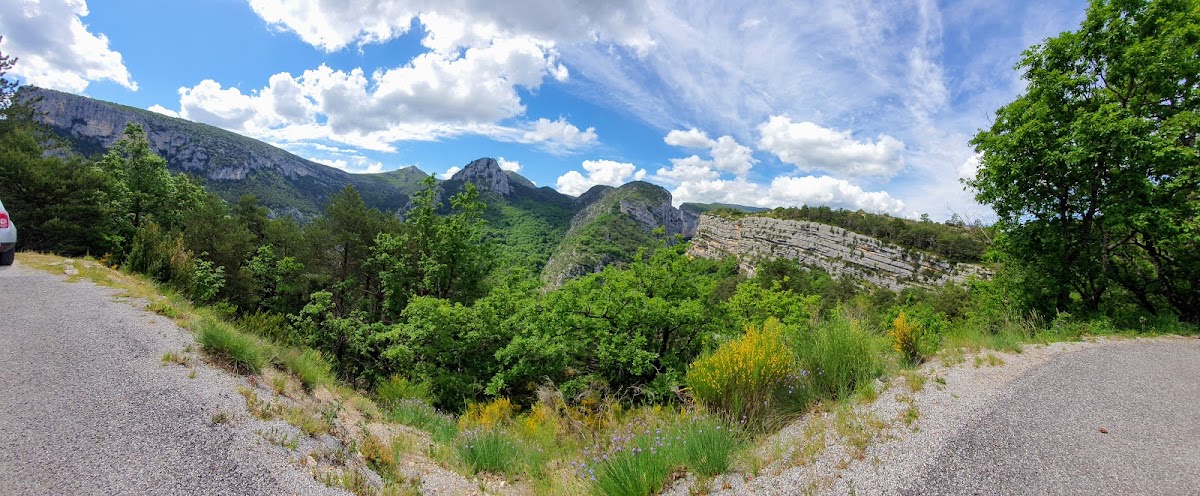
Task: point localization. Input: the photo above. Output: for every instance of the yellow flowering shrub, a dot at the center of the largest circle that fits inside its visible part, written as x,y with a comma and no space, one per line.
739,380
906,339
487,415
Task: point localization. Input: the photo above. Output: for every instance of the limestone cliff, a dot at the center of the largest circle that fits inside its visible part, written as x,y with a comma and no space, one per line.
230,164
609,227
838,251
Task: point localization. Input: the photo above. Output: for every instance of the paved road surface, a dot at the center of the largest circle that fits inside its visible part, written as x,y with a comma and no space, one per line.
1043,433
86,407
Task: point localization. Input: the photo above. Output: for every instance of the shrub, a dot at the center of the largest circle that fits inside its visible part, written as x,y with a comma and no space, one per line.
310,366
490,450
837,357
487,415
269,325
908,339
207,281
739,380
240,351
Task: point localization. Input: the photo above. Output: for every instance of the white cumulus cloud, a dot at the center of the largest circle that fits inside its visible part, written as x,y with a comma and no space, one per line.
599,172
449,173
509,165
727,154
811,147
54,47
334,24
156,108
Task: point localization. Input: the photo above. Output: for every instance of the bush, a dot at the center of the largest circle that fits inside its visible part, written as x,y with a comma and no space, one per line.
837,357
240,351
207,281
489,415
310,366
269,325
635,466
739,380
911,340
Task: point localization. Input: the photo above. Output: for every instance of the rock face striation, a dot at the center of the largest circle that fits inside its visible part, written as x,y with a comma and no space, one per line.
230,164
840,252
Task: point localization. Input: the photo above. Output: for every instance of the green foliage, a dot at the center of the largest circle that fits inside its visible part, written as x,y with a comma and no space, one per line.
740,380
63,205
837,357
1093,171
632,330
439,256
207,281
241,351
397,388
705,446
753,304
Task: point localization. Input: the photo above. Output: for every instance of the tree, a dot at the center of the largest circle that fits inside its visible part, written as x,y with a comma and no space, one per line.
8,89
149,188
1093,172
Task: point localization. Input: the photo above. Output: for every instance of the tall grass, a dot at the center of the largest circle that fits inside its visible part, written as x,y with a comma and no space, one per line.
837,357
419,414
640,458
243,352
491,450
310,366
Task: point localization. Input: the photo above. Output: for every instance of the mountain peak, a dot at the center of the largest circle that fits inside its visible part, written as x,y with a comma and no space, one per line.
485,173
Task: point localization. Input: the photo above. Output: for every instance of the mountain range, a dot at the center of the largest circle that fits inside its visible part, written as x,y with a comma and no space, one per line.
534,225
537,228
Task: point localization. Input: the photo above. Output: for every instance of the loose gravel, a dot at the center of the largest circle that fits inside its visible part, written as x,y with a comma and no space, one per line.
1109,416
88,407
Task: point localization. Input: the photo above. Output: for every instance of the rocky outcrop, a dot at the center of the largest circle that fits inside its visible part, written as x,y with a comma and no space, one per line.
230,164
486,175
838,251
611,223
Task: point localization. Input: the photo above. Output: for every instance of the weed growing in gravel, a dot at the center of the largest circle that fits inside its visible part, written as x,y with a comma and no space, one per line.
306,422
241,351
991,360
280,438
380,456
279,383
175,358
262,409
164,307
220,418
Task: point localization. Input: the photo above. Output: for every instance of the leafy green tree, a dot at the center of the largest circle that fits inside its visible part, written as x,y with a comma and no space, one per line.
440,256
148,187
345,235
1093,172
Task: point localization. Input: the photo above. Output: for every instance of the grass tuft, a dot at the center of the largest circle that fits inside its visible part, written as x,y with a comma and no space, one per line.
242,352
310,366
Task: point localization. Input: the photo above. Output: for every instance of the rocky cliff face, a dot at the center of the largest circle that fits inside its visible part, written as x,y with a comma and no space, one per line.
609,227
230,164
486,175
838,251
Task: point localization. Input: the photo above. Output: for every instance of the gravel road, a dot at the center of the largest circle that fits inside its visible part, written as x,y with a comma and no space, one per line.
1123,418
1030,424
87,406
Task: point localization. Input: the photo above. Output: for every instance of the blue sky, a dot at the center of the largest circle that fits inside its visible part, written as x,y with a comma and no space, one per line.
854,104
